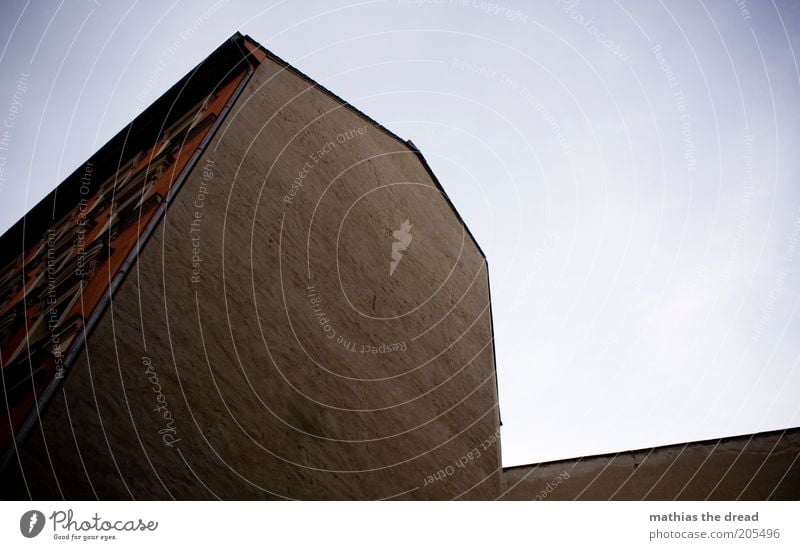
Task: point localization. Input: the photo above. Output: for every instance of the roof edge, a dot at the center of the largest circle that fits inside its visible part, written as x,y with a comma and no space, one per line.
725,439
407,143
18,231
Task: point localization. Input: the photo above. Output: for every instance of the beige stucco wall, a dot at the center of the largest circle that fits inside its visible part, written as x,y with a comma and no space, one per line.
263,399
759,467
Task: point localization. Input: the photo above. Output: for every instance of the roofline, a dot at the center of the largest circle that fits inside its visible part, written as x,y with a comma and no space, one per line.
726,439
292,69
407,143
14,241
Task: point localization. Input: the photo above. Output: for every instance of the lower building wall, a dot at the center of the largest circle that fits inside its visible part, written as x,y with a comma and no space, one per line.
758,467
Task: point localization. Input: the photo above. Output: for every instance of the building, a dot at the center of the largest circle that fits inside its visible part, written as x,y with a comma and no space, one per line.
256,291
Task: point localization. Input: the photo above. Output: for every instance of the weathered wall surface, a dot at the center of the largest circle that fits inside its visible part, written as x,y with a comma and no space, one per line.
764,466
261,348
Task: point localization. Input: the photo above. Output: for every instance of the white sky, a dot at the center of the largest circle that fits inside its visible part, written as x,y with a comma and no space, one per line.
630,168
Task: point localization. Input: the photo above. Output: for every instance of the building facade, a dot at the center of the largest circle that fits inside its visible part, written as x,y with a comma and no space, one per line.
257,291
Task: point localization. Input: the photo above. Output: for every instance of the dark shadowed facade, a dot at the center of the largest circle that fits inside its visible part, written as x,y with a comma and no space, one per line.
257,291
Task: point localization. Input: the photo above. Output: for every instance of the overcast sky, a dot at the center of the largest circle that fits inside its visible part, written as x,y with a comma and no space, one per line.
630,169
